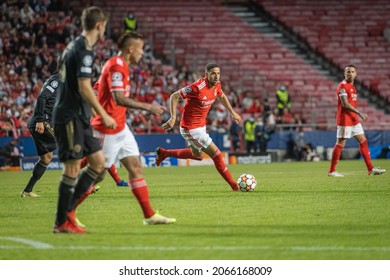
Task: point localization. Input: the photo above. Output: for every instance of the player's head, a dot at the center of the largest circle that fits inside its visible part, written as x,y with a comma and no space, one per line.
94,18
132,44
213,73
350,73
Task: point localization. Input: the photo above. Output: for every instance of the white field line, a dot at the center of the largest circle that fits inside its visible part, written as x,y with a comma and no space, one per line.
45,246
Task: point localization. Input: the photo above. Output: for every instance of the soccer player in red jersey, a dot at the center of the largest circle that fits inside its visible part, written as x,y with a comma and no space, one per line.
119,143
348,124
199,97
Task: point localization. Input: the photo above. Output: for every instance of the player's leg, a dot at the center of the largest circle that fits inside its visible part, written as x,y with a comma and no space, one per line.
365,152
343,133
94,171
45,144
83,162
129,157
215,154
73,141
139,188
114,174
38,170
185,153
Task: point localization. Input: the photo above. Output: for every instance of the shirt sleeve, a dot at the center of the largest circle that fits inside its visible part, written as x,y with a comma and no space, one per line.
84,67
188,91
343,91
116,79
47,91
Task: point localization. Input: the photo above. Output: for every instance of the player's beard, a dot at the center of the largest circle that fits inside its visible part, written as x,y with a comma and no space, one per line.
212,82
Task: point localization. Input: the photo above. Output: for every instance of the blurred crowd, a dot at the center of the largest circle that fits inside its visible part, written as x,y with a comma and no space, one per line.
33,35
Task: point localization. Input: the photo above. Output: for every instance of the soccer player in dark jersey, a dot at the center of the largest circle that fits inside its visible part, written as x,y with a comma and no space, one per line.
41,129
199,97
72,113
348,124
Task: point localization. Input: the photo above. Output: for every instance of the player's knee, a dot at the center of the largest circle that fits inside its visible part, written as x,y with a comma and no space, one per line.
100,176
46,158
198,155
98,166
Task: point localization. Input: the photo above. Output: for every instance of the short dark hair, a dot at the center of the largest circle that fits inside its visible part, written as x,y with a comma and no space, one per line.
350,65
91,16
125,39
210,66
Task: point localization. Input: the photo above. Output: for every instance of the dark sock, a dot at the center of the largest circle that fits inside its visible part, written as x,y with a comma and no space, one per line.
39,169
86,179
65,193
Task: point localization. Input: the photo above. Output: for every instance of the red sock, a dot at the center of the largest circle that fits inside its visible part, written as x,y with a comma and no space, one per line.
335,157
140,191
114,173
83,162
181,153
365,152
223,170
85,195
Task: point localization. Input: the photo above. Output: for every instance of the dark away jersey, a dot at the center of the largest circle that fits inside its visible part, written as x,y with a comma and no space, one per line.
76,60
43,110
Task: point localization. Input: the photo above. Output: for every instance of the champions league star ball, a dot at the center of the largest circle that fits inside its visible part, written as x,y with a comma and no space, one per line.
247,182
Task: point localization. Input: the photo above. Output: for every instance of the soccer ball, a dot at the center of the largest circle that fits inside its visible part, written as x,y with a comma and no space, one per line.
247,182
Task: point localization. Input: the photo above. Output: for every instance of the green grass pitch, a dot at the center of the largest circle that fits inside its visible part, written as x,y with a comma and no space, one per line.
296,212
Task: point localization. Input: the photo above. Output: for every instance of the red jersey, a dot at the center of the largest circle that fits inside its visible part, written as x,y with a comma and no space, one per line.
115,76
346,117
199,98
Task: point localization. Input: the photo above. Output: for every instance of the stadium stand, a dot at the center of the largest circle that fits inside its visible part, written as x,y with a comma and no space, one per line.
194,32
345,32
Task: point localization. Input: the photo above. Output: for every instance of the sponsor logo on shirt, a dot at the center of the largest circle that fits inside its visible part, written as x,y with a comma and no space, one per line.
207,103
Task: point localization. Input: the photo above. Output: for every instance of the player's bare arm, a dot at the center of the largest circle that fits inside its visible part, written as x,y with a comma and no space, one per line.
346,105
86,91
225,102
173,100
120,99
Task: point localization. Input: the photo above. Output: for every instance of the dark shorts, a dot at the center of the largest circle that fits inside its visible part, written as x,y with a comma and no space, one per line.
75,141
45,142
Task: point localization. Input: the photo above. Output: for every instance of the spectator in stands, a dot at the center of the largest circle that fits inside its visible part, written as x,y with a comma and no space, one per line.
249,135
262,134
267,110
130,22
235,136
184,75
348,124
283,99
11,153
287,119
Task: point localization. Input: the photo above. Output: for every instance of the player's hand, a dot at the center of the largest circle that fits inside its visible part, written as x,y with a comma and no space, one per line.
39,127
363,116
108,121
236,118
157,109
169,124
